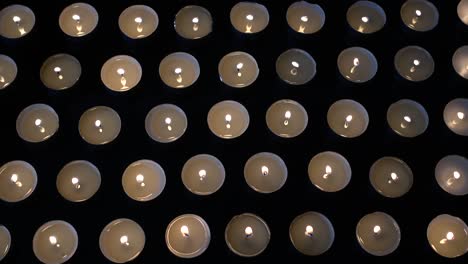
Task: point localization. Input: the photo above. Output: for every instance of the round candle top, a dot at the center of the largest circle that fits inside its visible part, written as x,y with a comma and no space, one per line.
238,69
419,15
407,118
8,71
55,242
265,172
138,21
378,234
188,236
462,11
16,21
143,180
456,116
99,125
357,64
18,179
391,177
296,67
304,17
122,240
249,17
448,236
5,241
203,174
179,70
60,71
286,118
329,171
121,73
366,17
247,235
460,61
347,118
193,22
37,123
78,181
78,19
414,63
311,233
166,123
228,119
451,174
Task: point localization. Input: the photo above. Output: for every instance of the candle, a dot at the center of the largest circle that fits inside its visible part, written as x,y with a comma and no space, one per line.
305,18
460,61
138,21
228,119
456,116
99,125
347,118
366,17
451,174
78,19
37,123
238,69
391,177
165,123
55,242
247,235
143,180
286,118
203,174
296,67
121,73
329,171
311,233
414,63
8,71
249,17
407,118
378,234
122,240
5,241
78,181
188,236
179,70
462,11
17,21
18,180
193,22
265,172
357,64
419,15
448,236
60,71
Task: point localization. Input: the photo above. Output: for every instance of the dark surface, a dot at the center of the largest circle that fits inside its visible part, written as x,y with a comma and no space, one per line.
413,212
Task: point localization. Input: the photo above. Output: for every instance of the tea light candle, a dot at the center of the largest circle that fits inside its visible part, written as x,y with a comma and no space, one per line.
99,125
347,118
296,67
407,118
165,123
5,241
37,123
329,171
448,236
179,70
249,17
78,181
419,15
265,172
286,118
16,21
238,69
414,63
18,180
247,235
366,17
60,71
138,21
451,174
460,61
143,180
55,242
311,233
193,22
121,73
78,19
8,71
305,18
462,11
357,64
188,236
391,177
122,240
456,116
228,119
203,174
378,234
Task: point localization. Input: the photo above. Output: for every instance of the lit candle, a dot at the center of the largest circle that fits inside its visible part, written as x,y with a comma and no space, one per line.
462,11
121,73
78,19
414,63
8,71
247,235
305,18
18,180
228,119
60,71
378,234
456,116
357,64
296,67
460,61
347,118
122,240
78,181
55,242
203,174
419,15
451,174
138,21
17,21
238,69
143,180
165,123
329,171
5,242
188,236
407,118
448,236
286,118
366,17
249,17
37,123
265,172
391,177
99,125
179,70
193,22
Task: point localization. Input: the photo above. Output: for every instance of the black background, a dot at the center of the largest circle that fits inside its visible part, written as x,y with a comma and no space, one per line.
413,212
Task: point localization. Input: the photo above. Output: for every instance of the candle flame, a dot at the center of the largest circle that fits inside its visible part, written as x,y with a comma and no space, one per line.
185,231
248,231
